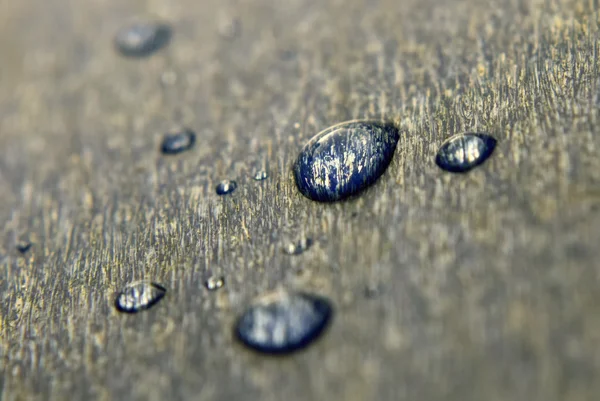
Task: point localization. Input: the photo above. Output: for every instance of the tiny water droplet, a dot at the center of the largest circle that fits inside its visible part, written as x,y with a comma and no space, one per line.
344,159
178,141
463,152
373,290
283,322
214,283
298,247
260,175
142,38
23,246
226,187
139,296
229,27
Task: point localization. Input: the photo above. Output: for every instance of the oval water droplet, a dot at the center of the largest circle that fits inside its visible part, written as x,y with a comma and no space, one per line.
178,141
214,283
142,38
345,159
260,175
463,152
283,322
226,187
23,246
297,247
139,296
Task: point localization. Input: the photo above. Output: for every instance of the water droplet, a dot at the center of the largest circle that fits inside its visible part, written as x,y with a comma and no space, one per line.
297,247
139,296
214,283
226,187
345,159
23,246
460,153
229,27
283,322
260,175
142,38
373,290
178,141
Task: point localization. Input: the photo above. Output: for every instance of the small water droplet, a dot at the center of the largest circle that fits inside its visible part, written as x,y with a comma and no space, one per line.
260,175
226,187
139,296
298,247
462,152
282,322
23,246
142,38
178,141
344,159
214,283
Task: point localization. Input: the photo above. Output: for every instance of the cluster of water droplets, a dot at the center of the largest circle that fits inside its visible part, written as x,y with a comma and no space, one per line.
337,163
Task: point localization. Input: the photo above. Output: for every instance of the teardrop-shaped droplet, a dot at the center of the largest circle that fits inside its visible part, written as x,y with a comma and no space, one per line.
178,141
283,322
138,296
460,153
225,187
142,38
298,246
214,283
345,159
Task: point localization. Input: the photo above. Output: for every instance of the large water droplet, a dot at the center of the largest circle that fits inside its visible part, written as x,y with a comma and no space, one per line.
142,38
226,187
345,159
282,322
178,141
460,153
138,296
214,283
297,247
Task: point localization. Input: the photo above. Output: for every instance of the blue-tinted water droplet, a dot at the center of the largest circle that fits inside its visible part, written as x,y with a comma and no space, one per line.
139,296
214,283
23,246
226,187
178,141
283,322
460,153
345,159
143,38
260,175
297,247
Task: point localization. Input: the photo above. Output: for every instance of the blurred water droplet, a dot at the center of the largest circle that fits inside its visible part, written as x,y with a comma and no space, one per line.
23,246
373,290
297,247
178,141
260,175
283,322
226,187
142,38
214,283
168,77
229,27
139,296
345,159
461,153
